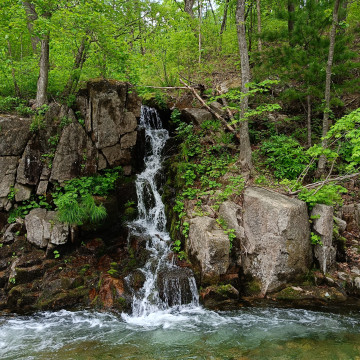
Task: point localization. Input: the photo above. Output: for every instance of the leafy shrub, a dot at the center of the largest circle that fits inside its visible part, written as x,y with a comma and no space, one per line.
285,156
9,103
329,195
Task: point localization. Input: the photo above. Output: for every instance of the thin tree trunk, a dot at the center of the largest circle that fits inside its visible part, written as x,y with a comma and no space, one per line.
325,127
258,12
223,24
16,86
245,148
308,99
188,7
291,20
200,15
42,83
31,17
78,64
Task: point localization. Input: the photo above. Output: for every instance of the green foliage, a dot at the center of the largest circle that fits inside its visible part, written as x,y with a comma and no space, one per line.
8,103
285,156
329,194
315,239
56,254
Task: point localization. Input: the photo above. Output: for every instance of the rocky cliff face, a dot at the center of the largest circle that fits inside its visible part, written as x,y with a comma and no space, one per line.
40,268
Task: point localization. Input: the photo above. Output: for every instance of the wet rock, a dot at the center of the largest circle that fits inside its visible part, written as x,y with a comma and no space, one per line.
31,163
14,134
43,227
11,231
322,216
27,275
310,294
219,297
209,245
196,116
277,245
175,286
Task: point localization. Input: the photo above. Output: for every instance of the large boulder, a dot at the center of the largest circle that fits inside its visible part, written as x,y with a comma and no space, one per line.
277,246
43,228
210,246
14,134
323,220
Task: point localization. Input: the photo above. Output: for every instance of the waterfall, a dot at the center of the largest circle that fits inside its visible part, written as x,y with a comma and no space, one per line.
166,284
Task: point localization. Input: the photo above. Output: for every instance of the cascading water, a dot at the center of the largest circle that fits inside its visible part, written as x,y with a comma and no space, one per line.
166,284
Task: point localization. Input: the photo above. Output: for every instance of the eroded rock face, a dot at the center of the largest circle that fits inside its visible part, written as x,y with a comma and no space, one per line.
8,165
43,228
322,217
110,110
277,238
75,155
14,134
209,245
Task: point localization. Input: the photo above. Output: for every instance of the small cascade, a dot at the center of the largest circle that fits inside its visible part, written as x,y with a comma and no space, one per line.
166,284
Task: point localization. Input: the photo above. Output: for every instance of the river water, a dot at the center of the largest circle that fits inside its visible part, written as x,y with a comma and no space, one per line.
182,333
165,323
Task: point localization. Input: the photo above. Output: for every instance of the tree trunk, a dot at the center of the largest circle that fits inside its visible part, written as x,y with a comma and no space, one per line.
223,24
188,7
291,20
258,12
78,64
245,148
16,86
31,17
42,83
308,100
325,127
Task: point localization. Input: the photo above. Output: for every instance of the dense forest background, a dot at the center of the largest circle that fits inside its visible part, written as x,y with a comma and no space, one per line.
298,60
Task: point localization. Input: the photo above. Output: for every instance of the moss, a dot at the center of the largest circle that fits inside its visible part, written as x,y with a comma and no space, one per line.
253,287
223,289
289,293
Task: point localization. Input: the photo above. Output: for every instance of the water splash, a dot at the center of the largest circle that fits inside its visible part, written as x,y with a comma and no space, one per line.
166,284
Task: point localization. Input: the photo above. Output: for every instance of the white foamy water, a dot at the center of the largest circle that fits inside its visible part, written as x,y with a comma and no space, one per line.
148,303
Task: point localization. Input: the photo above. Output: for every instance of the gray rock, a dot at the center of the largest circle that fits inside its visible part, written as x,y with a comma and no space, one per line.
14,134
22,192
128,140
357,283
42,187
232,214
323,226
217,107
8,166
277,245
10,232
133,103
106,115
43,228
209,245
196,116
31,165
75,155
340,223
128,123
115,155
